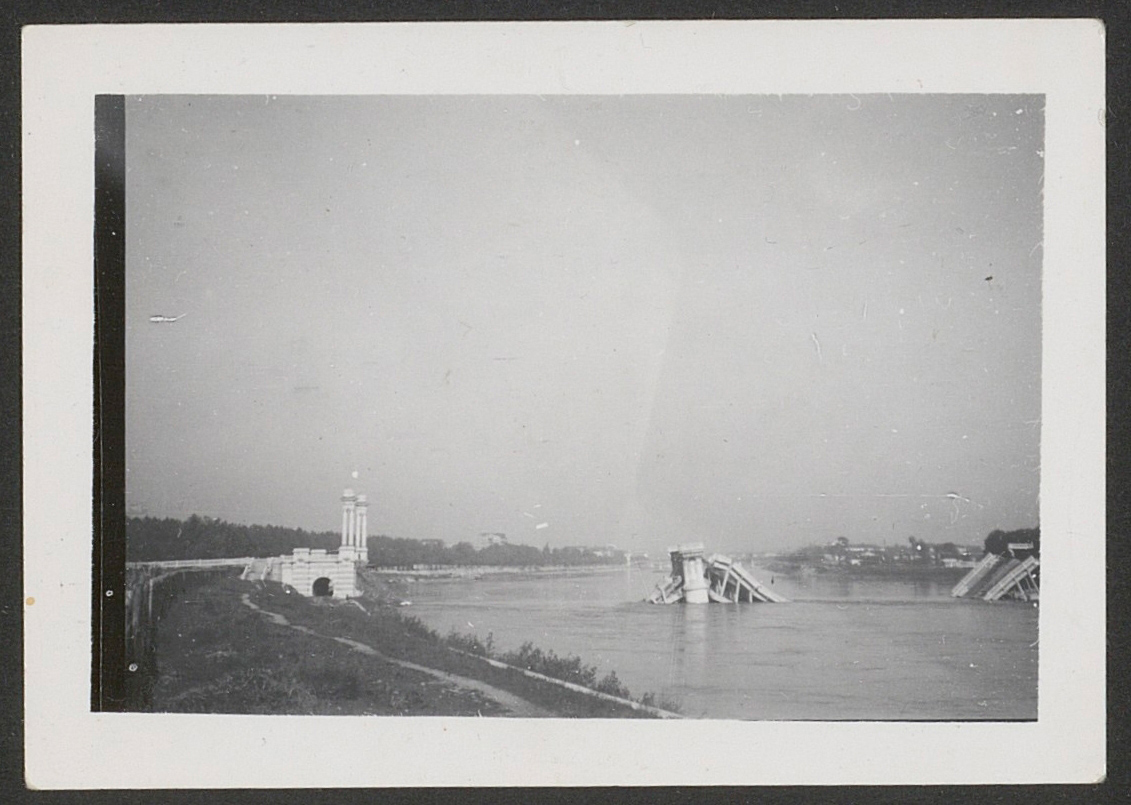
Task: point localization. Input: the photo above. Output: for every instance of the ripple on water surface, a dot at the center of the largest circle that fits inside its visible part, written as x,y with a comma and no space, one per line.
903,651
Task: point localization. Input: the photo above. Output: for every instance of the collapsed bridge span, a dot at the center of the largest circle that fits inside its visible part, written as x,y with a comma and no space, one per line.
717,579
1012,575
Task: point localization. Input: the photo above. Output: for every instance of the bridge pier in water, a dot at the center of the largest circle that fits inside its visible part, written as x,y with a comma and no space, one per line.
687,562
718,579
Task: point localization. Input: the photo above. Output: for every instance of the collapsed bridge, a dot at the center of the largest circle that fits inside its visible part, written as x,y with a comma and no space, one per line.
1014,574
718,579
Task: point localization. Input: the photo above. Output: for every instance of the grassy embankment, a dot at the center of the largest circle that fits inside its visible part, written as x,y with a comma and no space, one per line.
215,654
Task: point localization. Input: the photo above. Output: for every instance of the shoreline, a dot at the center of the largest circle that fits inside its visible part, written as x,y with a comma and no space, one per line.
494,571
884,573
233,646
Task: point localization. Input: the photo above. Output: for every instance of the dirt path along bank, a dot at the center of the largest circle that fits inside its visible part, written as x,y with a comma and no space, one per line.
515,705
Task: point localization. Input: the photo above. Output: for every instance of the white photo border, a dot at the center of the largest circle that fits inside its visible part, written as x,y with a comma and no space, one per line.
65,67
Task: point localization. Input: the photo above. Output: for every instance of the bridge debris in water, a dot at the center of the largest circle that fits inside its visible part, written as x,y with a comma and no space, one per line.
718,579
1013,575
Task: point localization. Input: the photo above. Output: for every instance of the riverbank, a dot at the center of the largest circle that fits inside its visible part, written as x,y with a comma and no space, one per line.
900,572
491,571
253,647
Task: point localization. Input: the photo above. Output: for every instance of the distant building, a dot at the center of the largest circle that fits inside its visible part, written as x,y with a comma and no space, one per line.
488,538
954,562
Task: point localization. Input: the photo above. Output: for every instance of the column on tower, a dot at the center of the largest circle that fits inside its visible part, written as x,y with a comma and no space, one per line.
349,512
362,528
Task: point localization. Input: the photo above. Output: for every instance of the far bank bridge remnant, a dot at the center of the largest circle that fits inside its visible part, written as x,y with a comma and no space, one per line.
717,579
1014,574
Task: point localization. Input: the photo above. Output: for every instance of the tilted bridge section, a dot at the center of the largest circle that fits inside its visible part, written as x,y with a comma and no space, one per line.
1004,576
718,579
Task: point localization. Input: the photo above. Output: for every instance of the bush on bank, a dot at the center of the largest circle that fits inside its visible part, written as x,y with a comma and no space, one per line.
392,632
216,655
548,663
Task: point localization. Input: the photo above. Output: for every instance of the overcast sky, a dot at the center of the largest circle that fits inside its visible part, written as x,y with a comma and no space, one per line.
752,321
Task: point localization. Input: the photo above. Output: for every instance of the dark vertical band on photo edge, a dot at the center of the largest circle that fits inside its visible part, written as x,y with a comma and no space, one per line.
108,615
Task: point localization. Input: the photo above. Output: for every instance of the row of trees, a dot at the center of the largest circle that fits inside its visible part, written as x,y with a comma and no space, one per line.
998,542
150,539
916,551
399,552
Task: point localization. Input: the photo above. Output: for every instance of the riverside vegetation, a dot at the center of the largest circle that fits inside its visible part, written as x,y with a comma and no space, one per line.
150,539
217,654
916,559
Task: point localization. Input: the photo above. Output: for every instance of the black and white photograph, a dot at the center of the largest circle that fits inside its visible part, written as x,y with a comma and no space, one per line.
489,414
724,406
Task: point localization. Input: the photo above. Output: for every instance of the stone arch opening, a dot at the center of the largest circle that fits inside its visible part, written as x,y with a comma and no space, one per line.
322,587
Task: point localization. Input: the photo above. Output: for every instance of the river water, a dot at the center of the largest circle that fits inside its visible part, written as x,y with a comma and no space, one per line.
842,649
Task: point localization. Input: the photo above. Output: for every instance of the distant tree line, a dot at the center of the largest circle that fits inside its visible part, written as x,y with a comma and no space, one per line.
998,541
152,539
915,552
395,552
